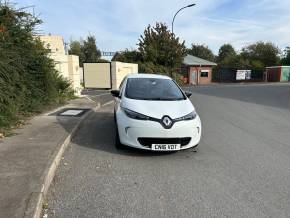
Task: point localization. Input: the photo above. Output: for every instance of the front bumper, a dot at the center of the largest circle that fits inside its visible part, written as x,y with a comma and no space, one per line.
131,131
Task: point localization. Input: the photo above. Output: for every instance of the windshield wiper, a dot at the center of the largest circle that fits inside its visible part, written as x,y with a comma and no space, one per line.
164,99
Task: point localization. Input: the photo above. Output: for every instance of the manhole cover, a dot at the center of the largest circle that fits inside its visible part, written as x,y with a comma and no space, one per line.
71,112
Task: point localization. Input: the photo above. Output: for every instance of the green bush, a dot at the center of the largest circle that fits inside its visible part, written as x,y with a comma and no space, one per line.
29,82
149,67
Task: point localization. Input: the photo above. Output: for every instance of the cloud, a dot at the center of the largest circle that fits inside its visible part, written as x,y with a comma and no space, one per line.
118,24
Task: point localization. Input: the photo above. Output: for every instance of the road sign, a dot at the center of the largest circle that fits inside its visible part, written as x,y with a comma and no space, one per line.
243,74
108,53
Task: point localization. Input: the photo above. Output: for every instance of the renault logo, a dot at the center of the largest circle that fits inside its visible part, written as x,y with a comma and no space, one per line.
167,122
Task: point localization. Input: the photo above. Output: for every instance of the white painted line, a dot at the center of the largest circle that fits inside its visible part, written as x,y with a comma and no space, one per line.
103,94
87,97
109,102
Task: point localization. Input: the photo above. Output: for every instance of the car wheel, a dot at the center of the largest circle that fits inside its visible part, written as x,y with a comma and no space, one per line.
195,148
118,143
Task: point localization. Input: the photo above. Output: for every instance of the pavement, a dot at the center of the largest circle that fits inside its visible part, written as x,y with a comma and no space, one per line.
27,159
241,169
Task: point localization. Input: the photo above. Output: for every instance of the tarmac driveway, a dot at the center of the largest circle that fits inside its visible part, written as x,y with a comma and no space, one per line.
242,167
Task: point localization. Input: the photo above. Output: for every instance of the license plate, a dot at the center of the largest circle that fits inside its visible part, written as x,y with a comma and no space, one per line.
165,147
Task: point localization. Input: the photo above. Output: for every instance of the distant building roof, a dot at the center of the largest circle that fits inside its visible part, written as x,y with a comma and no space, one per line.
195,61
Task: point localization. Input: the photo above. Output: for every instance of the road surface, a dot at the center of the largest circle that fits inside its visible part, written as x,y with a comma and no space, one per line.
242,167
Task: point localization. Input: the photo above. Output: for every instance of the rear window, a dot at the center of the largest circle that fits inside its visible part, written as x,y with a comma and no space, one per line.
153,89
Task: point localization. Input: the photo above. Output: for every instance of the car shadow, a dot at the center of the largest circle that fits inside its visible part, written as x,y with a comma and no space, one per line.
98,132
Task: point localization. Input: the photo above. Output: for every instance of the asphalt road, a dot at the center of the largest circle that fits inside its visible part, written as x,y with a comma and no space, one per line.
98,95
242,167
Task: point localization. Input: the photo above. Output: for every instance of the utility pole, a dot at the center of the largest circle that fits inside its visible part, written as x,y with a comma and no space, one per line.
172,32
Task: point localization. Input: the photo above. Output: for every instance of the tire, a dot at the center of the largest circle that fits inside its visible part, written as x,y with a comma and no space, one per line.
118,143
195,148
115,119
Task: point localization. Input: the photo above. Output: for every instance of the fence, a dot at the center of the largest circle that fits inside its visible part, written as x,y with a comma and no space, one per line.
230,75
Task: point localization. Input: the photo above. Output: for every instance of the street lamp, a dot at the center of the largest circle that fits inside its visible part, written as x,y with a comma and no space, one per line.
188,6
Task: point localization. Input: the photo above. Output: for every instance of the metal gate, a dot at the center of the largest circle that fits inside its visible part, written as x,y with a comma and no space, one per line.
97,75
230,75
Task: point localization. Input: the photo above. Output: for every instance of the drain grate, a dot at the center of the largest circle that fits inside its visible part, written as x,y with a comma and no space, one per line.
70,112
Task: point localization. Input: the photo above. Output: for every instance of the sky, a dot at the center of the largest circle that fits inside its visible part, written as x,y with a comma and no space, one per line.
117,24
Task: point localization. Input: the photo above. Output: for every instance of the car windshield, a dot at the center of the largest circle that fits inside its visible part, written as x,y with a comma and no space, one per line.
153,89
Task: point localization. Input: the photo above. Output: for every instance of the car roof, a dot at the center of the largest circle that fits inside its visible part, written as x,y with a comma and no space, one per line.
146,75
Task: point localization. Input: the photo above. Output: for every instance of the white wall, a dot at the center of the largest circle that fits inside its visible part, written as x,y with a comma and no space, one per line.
54,43
74,73
66,65
120,70
61,64
81,73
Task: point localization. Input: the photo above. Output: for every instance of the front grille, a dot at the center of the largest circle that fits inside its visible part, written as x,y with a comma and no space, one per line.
147,142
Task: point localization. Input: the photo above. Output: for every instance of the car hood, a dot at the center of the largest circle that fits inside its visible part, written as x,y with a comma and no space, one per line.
158,109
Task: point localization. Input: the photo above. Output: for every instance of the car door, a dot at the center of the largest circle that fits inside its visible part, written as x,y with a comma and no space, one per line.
193,78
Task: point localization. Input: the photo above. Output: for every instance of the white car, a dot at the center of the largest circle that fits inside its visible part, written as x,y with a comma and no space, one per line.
153,113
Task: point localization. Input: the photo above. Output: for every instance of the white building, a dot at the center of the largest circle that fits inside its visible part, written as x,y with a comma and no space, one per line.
67,65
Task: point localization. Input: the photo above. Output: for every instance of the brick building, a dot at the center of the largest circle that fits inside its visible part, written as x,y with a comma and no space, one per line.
278,74
198,70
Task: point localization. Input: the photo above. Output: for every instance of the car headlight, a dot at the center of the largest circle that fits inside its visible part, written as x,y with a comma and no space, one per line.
135,115
189,116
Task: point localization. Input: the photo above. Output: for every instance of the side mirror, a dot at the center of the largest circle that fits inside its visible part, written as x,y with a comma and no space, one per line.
115,93
188,94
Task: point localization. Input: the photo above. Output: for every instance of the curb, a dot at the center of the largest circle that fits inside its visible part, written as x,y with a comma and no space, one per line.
35,202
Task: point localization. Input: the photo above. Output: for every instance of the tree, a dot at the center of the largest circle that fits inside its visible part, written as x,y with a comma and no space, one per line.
242,63
159,46
28,79
128,56
286,59
102,60
75,48
87,50
90,51
261,54
227,56
201,51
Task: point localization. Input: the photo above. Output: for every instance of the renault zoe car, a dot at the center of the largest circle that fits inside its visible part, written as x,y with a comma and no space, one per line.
153,113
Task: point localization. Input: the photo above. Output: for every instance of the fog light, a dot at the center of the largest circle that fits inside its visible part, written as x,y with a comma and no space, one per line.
126,129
